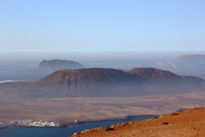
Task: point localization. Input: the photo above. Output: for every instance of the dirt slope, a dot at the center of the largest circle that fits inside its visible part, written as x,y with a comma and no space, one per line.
189,123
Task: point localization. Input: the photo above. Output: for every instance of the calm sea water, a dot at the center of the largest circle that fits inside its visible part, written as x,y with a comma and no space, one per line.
63,132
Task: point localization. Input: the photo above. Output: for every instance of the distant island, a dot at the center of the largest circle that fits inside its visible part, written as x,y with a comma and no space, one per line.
57,64
105,82
112,82
42,69
192,57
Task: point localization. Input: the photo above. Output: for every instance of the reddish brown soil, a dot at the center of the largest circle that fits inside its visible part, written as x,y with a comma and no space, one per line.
189,123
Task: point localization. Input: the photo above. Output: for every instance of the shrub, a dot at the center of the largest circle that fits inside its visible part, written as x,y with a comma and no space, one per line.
165,123
109,129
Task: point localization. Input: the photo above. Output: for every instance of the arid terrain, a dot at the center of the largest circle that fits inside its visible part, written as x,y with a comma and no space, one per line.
97,94
73,65
66,110
92,94
188,123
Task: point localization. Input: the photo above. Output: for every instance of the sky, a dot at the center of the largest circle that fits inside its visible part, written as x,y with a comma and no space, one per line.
102,25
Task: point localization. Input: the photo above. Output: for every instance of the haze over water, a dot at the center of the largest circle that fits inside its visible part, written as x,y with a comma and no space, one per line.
65,60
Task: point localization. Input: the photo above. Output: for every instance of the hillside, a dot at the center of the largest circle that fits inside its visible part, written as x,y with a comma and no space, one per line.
91,81
86,77
188,123
112,82
163,76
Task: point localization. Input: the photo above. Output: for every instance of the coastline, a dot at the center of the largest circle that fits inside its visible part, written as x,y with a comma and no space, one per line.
28,123
189,123
114,119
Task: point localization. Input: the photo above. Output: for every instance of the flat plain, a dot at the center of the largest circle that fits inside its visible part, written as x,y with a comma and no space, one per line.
67,110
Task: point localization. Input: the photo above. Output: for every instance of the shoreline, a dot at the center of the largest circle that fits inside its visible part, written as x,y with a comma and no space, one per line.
58,125
29,123
115,119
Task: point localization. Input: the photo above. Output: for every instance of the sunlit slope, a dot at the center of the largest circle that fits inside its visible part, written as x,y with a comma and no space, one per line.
189,123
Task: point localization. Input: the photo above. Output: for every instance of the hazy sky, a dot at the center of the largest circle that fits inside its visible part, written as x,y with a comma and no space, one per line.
102,25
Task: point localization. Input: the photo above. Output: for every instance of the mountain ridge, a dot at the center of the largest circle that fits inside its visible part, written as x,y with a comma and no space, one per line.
154,74
113,82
